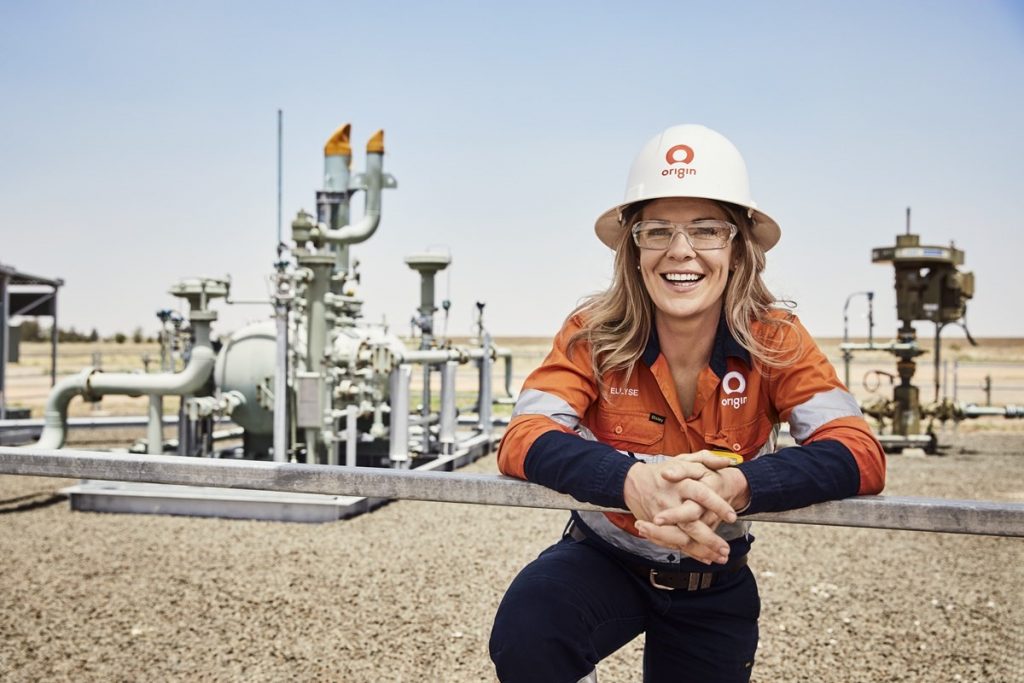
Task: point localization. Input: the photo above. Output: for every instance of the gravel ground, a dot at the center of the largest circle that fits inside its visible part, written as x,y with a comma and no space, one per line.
407,593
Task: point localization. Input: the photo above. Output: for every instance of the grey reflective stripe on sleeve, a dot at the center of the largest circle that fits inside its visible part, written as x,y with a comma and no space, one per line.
536,402
820,409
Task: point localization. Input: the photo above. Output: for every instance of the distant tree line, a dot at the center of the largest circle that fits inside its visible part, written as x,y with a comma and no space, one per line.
32,331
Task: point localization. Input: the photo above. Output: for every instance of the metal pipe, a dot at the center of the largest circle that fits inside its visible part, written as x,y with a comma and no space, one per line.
155,428
374,182
53,343
281,375
1009,411
351,434
93,383
398,448
486,397
92,422
448,413
333,203
5,309
879,512
320,266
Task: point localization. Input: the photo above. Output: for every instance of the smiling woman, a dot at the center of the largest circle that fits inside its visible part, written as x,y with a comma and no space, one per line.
683,358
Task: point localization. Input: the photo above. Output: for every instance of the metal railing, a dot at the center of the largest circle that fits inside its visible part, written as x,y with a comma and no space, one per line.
878,512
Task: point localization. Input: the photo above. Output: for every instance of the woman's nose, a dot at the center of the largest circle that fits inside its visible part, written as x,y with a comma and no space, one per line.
679,247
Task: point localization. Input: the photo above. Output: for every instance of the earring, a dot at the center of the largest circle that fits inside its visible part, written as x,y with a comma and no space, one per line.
638,266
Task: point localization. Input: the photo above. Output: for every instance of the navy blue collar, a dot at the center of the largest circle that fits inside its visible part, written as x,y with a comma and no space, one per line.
725,346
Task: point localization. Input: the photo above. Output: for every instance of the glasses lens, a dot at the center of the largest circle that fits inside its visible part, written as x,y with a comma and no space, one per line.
653,234
709,234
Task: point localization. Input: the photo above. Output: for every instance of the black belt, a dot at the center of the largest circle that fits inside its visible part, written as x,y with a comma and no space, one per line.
668,580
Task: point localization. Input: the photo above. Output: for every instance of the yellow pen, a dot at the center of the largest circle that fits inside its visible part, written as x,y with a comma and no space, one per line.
735,457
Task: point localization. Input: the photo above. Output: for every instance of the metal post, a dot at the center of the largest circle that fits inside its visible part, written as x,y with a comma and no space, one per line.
956,380
486,363
448,416
155,428
988,390
351,434
281,384
398,451
425,407
945,379
53,342
5,309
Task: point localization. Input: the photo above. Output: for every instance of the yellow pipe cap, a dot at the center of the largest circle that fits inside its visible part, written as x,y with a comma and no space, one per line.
376,143
338,144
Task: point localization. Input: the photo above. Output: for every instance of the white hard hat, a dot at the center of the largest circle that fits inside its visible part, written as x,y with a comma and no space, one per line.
689,161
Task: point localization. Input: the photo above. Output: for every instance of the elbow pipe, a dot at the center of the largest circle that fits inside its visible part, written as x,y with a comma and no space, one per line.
374,183
90,382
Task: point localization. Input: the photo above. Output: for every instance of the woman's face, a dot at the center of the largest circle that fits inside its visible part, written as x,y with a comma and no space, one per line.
685,284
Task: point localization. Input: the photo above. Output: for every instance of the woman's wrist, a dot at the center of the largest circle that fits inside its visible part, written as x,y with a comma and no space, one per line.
737,488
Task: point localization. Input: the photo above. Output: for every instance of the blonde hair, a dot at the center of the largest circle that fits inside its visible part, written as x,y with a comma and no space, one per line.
616,323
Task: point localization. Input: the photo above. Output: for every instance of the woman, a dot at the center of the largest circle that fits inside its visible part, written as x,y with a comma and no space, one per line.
684,354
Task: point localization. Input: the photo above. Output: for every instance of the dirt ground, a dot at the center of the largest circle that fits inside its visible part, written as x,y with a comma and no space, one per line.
407,593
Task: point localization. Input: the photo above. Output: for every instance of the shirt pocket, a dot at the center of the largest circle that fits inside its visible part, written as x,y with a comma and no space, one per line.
628,430
746,439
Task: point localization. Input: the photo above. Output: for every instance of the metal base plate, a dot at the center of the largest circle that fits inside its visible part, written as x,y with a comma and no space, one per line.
193,501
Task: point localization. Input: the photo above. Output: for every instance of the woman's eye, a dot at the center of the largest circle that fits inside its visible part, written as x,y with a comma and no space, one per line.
704,233
658,233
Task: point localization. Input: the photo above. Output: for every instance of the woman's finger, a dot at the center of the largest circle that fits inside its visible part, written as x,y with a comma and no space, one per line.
707,498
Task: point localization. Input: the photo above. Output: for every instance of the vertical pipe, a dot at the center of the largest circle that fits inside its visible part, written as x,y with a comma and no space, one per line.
53,342
945,379
337,175
155,428
871,318
425,408
316,336
956,380
486,363
281,384
184,432
351,434
448,416
5,310
398,451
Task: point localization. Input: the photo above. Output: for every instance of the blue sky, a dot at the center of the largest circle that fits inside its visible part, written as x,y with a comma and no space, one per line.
137,142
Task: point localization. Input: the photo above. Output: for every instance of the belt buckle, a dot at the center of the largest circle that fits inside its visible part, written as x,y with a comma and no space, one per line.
652,575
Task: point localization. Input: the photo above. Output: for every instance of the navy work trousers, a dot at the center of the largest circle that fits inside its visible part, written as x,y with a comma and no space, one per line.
576,604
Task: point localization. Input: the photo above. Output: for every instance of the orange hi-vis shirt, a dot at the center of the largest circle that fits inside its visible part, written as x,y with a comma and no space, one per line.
564,435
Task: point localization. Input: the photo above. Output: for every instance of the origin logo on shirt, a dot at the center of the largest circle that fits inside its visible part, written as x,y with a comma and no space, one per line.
734,383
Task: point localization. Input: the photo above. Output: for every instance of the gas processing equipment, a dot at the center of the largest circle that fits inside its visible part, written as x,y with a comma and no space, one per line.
929,287
313,383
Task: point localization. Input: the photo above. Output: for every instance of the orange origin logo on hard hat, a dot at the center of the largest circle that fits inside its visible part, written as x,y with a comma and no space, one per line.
679,154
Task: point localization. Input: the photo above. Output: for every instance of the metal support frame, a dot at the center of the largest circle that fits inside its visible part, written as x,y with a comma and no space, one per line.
878,512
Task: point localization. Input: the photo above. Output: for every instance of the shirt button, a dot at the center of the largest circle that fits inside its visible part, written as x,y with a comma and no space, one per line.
618,429
736,447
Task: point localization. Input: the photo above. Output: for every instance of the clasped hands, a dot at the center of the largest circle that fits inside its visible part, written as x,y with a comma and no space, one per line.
679,502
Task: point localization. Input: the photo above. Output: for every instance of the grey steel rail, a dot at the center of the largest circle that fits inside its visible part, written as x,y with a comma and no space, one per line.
878,512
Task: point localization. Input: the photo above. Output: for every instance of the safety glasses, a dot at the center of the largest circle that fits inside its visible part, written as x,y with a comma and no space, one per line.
701,235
